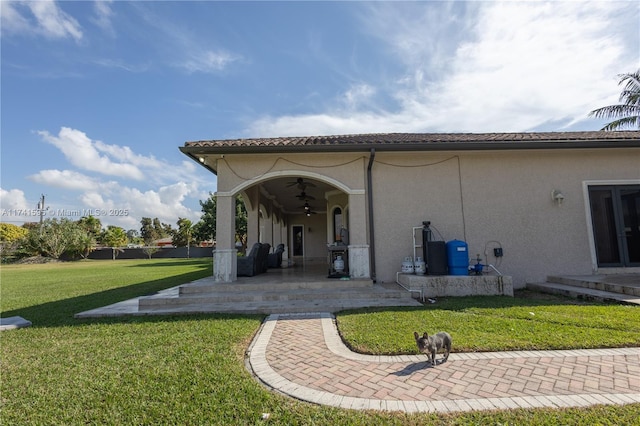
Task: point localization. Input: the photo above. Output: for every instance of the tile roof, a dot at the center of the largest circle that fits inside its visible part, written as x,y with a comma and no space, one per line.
414,140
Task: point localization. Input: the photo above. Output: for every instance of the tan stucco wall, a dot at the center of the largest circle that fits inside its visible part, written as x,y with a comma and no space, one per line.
235,170
315,230
488,197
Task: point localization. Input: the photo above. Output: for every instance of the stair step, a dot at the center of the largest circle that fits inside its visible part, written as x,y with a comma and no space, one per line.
207,286
271,296
599,282
583,292
292,306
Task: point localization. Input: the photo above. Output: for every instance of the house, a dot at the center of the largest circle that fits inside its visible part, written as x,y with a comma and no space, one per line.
163,242
550,203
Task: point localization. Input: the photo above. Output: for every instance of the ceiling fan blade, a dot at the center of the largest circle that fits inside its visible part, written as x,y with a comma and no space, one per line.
304,196
301,184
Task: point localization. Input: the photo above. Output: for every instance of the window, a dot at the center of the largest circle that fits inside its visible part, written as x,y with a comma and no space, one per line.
337,223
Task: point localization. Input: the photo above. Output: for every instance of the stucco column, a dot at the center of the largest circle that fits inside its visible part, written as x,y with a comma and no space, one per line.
225,260
253,227
267,230
358,247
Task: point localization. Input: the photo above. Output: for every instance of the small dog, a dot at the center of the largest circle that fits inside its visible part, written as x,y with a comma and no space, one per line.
431,345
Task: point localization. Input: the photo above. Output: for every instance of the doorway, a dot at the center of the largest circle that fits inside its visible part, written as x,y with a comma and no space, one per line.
297,240
615,215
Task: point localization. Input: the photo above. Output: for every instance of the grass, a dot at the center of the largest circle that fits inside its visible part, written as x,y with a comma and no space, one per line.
527,322
189,370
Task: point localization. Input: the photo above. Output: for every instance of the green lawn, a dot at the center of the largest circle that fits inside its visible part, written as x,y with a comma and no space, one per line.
188,370
527,322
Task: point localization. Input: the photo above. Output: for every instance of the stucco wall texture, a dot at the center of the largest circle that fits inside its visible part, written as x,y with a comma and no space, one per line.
495,198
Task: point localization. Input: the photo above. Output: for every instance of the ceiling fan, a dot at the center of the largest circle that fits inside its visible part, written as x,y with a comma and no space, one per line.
304,196
301,184
308,210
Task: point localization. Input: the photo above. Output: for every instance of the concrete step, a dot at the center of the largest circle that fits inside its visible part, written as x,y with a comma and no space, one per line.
291,306
272,295
207,285
628,284
579,292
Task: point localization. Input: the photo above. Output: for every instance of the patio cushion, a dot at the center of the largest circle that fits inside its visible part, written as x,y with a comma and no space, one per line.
248,265
275,258
263,258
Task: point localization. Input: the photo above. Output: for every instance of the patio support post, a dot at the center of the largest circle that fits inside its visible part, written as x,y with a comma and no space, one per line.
253,226
225,260
358,247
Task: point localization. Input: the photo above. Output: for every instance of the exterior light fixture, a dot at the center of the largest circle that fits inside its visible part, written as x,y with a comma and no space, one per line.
201,159
557,197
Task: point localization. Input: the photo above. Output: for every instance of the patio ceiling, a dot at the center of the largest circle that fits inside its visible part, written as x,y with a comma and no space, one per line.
287,195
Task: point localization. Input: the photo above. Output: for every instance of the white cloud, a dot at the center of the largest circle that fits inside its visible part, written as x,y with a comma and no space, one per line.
12,21
103,15
170,188
529,63
122,65
123,205
183,48
116,160
15,208
483,66
167,204
207,61
65,179
173,186
358,95
50,20
13,199
84,153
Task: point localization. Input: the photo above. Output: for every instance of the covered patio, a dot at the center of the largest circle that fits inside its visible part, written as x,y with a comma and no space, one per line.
317,209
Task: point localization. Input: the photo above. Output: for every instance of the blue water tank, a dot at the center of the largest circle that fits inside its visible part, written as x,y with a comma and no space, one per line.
458,257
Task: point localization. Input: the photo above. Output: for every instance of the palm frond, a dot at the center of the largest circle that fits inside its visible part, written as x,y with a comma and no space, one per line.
623,124
628,110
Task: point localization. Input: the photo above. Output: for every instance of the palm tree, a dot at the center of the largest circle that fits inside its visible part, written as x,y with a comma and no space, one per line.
629,110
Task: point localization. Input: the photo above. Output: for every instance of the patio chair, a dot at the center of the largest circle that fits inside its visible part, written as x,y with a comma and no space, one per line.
263,258
248,265
275,258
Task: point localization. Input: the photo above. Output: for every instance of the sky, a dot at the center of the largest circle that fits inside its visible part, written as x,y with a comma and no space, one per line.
97,97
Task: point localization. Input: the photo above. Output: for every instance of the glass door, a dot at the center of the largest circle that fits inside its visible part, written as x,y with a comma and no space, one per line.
297,235
615,213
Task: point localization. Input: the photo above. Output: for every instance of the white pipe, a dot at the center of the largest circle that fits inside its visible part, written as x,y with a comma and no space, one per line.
409,289
494,268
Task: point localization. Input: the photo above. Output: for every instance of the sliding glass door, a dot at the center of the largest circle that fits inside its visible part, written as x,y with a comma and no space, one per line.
615,214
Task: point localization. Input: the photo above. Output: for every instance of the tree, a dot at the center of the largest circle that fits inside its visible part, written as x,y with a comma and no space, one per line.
629,110
150,250
147,232
83,244
183,236
241,221
205,229
163,230
52,238
92,225
10,236
152,230
10,233
134,237
114,237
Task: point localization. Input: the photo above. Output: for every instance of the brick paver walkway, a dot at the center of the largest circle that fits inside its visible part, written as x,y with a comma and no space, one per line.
302,356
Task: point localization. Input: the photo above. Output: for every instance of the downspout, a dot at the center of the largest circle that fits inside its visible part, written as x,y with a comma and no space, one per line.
372,244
